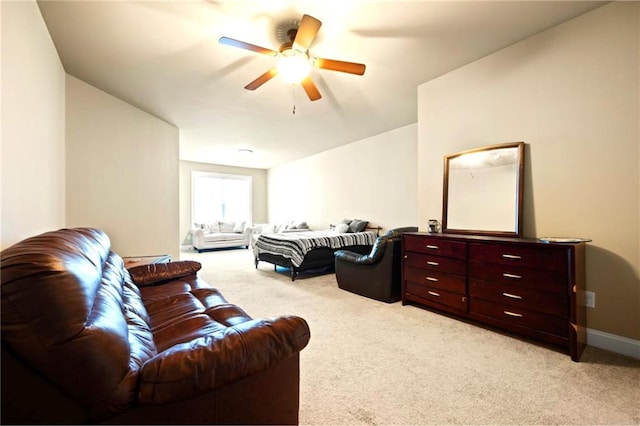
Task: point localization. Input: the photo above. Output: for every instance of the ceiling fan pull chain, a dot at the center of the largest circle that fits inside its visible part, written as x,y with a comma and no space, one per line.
293,99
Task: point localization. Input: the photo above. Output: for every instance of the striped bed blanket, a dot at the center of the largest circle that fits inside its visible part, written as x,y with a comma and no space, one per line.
296,245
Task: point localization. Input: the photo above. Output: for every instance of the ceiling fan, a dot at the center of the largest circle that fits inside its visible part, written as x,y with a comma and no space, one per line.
294,61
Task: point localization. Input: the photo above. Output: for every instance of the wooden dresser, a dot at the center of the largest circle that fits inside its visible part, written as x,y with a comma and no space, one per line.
523,286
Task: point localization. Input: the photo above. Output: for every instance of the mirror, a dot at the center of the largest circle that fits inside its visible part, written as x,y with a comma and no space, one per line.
482,191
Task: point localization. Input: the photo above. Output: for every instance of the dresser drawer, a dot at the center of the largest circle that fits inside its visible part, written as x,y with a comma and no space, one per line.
435,279
519,297
436,263
518,276
545,257
519,316
435,246
434,296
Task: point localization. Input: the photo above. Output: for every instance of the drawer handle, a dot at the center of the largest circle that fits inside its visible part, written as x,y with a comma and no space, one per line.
432,247
433,293
512,276
511,296
432,279
511,256
513,314
433,263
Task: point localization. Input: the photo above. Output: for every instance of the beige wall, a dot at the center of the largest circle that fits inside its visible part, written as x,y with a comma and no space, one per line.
122,172
572,94
33,128
258,188
372,179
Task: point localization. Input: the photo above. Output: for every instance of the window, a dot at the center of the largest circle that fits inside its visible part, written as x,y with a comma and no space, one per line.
219,197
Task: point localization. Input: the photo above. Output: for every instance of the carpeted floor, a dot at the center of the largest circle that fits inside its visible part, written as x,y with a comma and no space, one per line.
374,363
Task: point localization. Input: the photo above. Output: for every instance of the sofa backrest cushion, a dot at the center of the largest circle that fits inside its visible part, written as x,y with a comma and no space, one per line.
71,312
227,227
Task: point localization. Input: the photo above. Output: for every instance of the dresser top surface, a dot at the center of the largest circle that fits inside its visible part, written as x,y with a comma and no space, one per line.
483,238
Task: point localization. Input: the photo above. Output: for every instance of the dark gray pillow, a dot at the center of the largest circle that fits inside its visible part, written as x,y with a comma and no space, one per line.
358,225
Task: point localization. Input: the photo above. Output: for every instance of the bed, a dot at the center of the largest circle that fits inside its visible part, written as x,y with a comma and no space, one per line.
307,251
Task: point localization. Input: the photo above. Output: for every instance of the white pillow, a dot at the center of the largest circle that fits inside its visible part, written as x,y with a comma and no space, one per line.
239,227
341,228
213,228
226,227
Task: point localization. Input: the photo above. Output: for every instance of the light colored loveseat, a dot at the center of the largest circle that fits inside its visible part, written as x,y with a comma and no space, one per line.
220,235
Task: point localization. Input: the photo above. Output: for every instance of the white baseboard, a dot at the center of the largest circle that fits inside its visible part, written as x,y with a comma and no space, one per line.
613,343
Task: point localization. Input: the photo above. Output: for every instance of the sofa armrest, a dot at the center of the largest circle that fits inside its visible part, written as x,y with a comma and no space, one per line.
155,273
212,361
197,237
248,231
377,252
352,257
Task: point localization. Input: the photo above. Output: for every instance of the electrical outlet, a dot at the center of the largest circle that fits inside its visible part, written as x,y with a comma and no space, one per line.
589,299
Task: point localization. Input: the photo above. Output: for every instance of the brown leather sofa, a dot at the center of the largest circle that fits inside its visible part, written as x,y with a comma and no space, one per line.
376,275
84,340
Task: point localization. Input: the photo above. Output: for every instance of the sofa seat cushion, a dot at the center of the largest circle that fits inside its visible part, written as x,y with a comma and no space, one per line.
212,238
207,341
208,362
187,315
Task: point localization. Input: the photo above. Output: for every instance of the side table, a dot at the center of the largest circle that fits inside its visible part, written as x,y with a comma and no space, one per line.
130,262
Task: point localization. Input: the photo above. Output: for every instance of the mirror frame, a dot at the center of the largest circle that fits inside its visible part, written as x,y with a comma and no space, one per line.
517,232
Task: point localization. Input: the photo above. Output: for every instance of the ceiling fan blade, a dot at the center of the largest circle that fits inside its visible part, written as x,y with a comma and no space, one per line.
247,46
262,79
307,32
310,88
342,66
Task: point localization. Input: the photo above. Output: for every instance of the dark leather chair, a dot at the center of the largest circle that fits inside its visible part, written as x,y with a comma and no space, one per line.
376,275
85,340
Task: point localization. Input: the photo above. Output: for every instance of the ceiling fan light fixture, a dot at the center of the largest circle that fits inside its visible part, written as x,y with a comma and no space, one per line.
293,61
293,65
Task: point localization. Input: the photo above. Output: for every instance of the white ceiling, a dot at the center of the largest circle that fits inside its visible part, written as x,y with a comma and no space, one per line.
164,57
